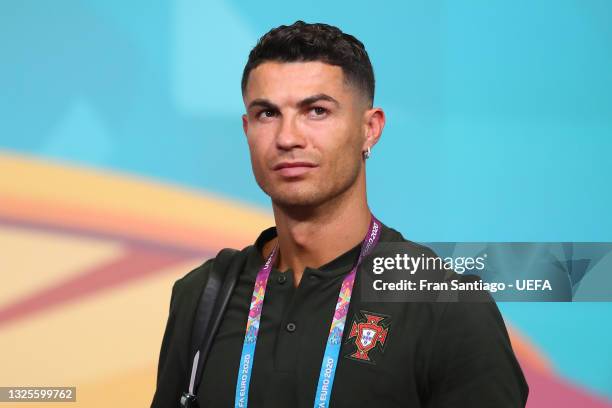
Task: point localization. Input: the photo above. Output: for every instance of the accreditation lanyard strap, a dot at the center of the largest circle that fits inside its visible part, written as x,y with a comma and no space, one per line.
332,348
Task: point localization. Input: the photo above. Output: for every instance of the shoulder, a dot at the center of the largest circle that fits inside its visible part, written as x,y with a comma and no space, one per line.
187,289
390,235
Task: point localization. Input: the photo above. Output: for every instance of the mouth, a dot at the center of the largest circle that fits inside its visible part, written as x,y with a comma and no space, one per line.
294,169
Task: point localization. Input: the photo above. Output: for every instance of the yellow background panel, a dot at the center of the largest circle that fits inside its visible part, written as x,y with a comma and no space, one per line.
44,181
99,337
32,260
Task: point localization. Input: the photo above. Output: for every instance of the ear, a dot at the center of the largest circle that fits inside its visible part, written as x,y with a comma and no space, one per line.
373,124
245,124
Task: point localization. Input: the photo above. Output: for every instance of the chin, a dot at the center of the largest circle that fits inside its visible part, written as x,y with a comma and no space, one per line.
297,200
297,196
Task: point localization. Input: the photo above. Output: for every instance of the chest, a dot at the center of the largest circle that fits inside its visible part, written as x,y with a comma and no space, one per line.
383,347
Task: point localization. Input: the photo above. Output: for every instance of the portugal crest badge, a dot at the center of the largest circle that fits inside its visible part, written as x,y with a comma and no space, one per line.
369,331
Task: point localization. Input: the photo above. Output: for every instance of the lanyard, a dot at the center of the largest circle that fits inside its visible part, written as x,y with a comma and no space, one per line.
332,348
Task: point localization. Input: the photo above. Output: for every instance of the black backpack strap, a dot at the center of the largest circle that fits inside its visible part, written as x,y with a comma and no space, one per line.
214,299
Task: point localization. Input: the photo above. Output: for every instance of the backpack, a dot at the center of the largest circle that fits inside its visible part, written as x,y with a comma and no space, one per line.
212,304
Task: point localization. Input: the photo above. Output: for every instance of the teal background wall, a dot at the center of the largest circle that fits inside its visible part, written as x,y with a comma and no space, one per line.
499,117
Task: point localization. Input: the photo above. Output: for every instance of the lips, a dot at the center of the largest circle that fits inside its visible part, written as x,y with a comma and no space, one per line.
284,165
294,169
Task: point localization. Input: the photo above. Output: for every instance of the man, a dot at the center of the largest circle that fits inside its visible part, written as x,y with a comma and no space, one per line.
310,125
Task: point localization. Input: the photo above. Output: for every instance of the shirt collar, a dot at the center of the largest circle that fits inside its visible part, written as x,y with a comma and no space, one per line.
338,266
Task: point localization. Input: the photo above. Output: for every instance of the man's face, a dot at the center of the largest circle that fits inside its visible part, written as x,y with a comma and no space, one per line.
305,130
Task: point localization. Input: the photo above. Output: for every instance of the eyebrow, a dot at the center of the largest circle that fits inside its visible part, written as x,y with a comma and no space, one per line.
264,103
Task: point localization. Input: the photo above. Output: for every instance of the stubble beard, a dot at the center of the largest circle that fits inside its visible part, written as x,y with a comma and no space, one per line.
311,195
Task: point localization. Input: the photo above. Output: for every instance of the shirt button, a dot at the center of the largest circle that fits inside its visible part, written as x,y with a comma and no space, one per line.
290,327
281,278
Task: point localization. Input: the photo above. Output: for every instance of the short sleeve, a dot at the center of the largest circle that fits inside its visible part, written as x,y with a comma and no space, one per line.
472,363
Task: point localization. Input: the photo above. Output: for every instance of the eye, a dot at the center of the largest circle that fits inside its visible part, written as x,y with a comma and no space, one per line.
318,111
266,114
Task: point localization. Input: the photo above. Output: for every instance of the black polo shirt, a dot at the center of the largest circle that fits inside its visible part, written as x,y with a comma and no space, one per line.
431,354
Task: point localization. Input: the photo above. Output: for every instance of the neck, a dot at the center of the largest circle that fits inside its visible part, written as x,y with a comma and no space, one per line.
314,236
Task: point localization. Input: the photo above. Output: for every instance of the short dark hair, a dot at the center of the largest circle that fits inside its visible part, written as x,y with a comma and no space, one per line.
315,42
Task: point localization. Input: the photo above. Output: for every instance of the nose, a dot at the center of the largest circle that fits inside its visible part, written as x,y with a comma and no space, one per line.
289,135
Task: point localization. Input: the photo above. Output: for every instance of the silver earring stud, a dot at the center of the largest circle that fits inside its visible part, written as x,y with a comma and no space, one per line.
367,153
